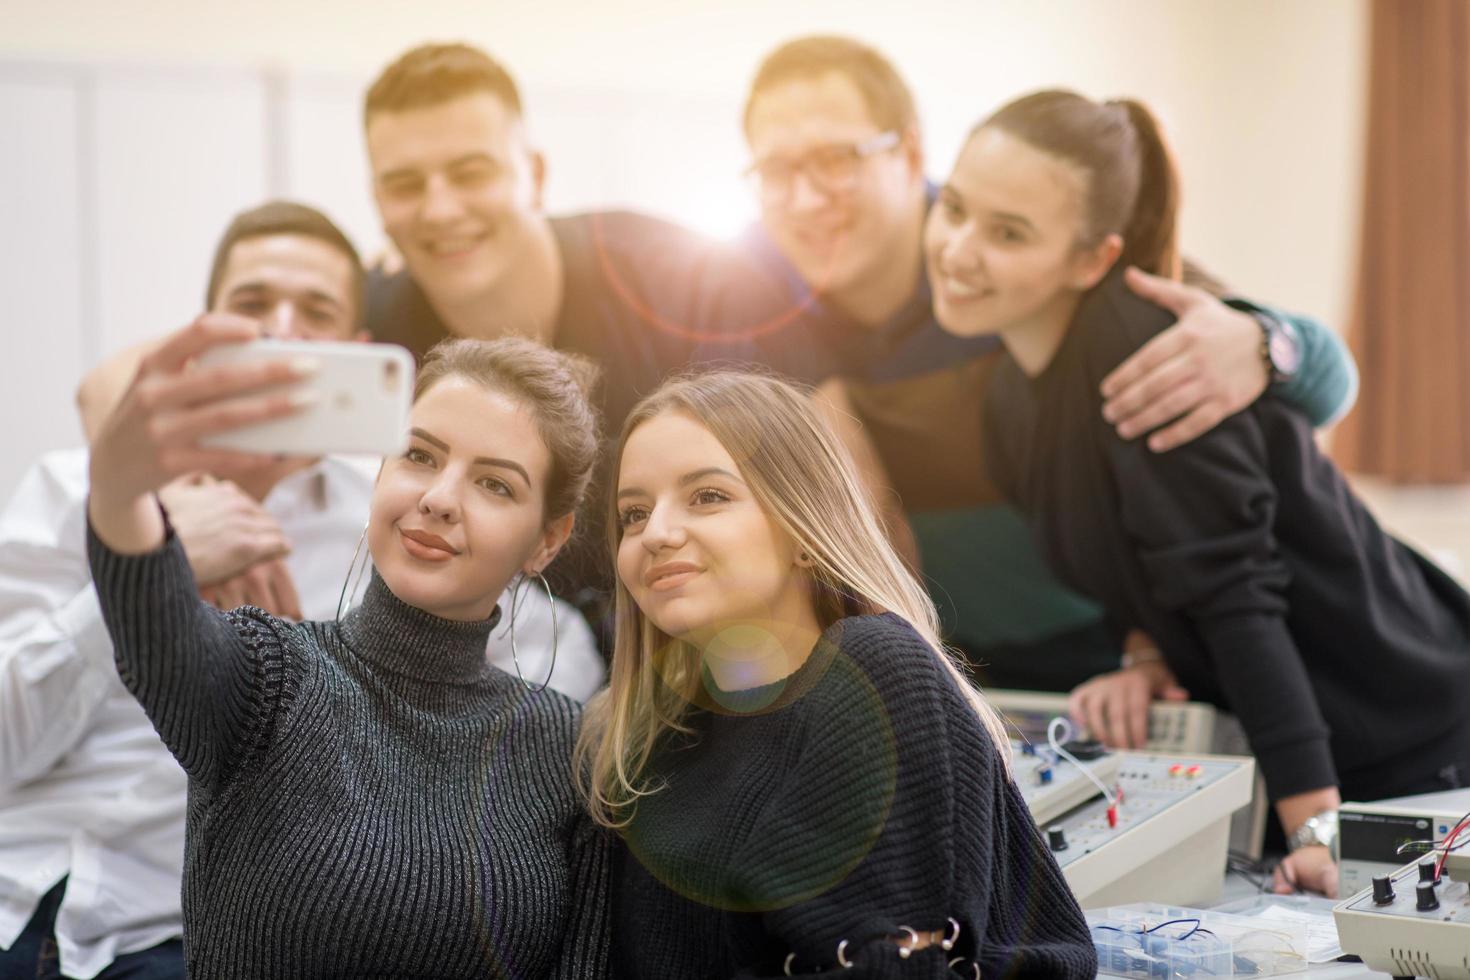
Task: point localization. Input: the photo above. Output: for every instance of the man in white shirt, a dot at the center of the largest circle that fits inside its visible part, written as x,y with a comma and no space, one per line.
91,803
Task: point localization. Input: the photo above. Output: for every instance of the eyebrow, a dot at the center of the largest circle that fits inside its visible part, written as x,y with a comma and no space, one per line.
401,172
1019,219
475,158
507,464
316,295
684,480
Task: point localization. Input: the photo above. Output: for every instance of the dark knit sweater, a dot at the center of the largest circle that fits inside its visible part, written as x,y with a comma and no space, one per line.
369,800
1266,583
857,796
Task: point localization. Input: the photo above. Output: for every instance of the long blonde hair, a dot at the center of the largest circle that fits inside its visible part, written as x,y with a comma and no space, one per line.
804,480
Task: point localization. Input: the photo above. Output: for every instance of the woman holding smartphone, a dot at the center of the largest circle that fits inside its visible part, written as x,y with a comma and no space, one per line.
1268,587
368,796
802,778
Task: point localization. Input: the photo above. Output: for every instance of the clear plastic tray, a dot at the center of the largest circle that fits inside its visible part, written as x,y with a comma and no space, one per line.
1160,942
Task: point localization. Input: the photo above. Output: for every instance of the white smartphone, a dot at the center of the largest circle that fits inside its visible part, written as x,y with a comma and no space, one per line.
362,394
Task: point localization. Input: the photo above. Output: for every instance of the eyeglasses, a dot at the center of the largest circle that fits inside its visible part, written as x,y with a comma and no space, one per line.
832,168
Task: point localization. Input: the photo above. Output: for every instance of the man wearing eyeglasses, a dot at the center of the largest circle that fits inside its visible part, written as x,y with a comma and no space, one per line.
838,170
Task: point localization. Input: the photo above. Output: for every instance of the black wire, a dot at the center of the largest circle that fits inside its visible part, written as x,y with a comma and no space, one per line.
1258,873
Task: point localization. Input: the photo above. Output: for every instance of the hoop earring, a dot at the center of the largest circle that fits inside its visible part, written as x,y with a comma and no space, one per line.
515,598
345,598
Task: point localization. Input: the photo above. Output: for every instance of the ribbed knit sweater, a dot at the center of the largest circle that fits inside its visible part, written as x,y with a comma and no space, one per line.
857,796
369,800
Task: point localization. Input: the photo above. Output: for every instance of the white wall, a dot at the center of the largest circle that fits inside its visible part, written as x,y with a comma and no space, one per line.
147,123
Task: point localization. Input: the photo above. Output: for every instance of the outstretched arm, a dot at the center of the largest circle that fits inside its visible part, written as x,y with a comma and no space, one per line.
1201,520
1209,365
198,673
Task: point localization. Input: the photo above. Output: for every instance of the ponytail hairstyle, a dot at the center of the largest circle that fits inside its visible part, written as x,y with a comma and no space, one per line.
805,482
1132,182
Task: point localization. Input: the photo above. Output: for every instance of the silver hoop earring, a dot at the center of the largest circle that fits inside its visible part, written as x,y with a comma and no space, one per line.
515,598
345,598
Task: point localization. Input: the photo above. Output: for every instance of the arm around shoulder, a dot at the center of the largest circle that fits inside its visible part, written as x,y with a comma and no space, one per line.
104,385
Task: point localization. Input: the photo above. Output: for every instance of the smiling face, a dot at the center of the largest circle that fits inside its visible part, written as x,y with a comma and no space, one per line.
837,236
697,553
461,512
459,192
297,286
1002,243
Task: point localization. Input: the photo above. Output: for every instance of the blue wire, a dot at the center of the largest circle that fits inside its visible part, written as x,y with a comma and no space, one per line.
1175,922
1153,929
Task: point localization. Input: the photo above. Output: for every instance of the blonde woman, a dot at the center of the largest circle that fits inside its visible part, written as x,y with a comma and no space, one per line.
801,776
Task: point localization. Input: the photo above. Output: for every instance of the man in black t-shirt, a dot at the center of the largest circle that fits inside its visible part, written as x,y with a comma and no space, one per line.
458,187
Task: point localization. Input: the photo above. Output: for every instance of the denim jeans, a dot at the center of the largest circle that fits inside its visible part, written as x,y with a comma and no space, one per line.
35,956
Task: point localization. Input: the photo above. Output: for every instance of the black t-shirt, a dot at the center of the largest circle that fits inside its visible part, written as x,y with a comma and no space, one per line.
643,298
1267,584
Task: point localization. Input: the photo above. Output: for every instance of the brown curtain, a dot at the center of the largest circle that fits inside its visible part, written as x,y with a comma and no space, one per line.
1410,329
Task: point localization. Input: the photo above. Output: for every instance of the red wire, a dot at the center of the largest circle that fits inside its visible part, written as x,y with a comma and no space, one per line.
1449,843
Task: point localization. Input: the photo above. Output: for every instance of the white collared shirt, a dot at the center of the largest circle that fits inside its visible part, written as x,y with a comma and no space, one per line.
87,789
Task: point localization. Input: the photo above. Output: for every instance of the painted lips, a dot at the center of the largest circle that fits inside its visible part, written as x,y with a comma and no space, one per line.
670,575
426,546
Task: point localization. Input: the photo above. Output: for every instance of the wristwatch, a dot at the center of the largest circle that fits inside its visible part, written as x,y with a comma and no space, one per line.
1321,828
1281,346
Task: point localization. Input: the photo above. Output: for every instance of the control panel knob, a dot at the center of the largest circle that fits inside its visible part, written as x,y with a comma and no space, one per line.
1425,898
1426,870
1382,890
1056,838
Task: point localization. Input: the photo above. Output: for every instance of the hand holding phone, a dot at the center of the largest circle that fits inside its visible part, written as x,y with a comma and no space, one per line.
154,433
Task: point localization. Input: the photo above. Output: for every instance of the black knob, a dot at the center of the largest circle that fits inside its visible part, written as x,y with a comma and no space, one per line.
1426,870
1382,890
1426,899
1056,838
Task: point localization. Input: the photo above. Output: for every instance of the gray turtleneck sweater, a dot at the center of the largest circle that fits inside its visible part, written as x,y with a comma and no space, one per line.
369,799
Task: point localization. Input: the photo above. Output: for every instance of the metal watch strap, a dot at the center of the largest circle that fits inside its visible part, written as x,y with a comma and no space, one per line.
1320,828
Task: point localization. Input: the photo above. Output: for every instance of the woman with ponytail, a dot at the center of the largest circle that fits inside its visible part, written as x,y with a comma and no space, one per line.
1267,586
802,776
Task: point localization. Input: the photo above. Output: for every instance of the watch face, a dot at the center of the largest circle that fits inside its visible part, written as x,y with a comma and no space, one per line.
1285,355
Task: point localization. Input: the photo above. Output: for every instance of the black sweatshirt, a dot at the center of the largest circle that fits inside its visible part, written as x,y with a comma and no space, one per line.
369,800
1268,586
857,796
